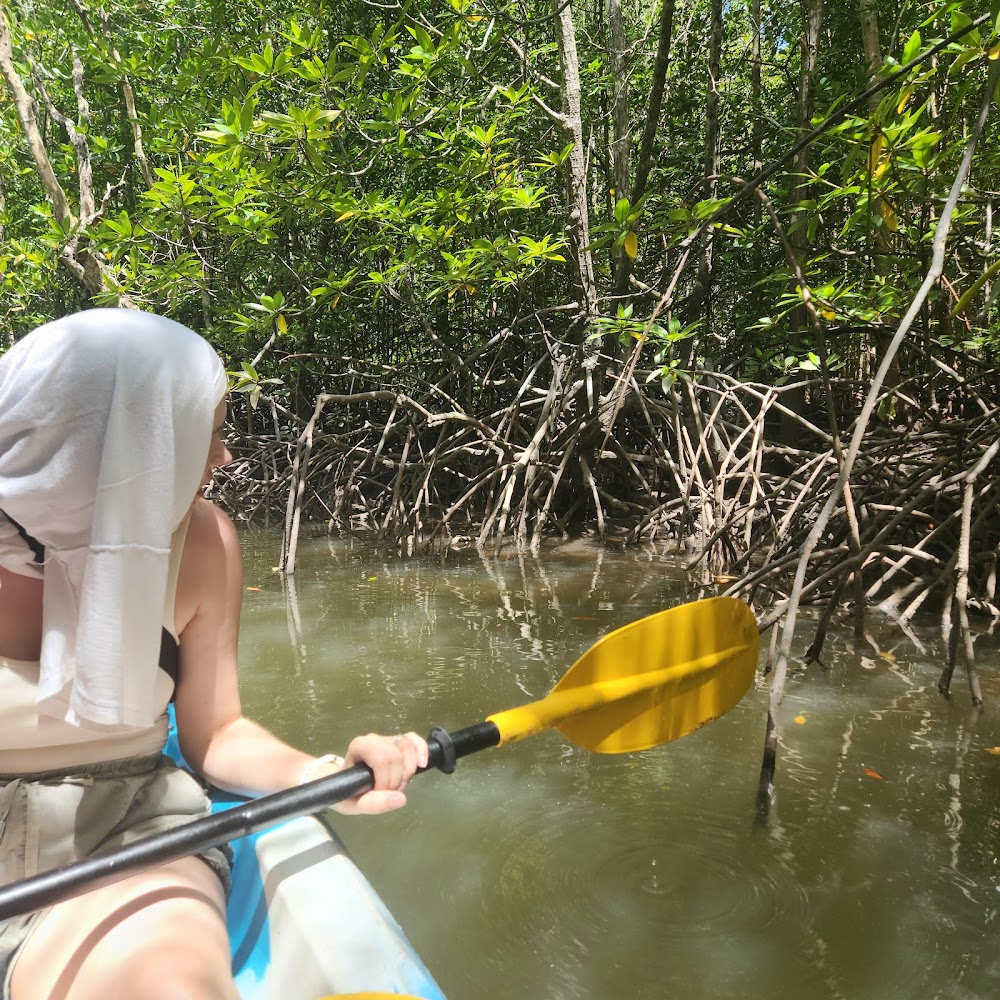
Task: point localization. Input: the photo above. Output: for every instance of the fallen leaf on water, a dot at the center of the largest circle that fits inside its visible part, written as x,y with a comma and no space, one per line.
872,774
800,720
256,590
993,750
371,578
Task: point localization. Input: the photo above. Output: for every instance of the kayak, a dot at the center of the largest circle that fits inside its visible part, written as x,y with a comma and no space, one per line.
305,923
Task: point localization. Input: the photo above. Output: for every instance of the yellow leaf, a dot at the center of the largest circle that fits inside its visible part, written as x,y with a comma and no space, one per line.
993,750
875,152
344,215
872,774
281,323
333,304
904,98
994,53
632,245
256,590
800,720
828,314
888,215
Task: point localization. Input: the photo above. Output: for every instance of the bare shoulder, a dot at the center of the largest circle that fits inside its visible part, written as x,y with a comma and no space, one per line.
211,566
210,529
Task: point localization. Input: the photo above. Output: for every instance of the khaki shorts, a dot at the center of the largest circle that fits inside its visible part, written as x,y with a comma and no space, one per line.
51,818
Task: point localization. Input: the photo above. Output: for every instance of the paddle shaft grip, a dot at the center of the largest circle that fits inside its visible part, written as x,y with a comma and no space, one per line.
445,748
241,820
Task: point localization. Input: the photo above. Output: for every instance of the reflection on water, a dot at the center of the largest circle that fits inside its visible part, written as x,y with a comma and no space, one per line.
543,872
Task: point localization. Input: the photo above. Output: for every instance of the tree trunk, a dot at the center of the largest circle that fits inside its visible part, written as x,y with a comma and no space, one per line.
621,138
755,141
578,221
868,17
812,18
701,297
645,158
86,266
578,232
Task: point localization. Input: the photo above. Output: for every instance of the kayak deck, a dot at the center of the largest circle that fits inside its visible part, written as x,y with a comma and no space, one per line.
305,923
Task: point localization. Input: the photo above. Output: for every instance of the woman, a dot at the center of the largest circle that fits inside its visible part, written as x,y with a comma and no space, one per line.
120,588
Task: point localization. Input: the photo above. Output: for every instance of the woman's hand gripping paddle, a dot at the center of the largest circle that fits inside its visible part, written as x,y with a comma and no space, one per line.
642,685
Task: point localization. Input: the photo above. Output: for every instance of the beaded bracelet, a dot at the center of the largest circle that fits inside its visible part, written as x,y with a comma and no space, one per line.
327,758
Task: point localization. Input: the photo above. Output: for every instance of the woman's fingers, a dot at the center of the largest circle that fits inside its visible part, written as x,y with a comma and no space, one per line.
415,755
393,759
371,804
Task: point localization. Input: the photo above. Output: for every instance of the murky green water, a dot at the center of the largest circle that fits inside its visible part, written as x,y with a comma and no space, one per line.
544,872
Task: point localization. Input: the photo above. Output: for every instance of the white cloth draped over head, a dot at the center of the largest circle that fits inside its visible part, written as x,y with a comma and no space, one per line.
105,428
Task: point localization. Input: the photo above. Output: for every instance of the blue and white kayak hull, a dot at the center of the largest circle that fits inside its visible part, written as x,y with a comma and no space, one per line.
305,923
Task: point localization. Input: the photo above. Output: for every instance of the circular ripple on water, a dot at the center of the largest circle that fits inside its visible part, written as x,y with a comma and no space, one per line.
580,872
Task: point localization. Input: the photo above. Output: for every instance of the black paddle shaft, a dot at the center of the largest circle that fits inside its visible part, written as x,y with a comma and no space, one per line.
74,879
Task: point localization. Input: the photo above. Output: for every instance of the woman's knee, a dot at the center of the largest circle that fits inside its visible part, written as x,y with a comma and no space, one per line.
177,973
156,937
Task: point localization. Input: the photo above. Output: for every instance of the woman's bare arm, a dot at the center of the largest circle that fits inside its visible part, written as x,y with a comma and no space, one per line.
228,749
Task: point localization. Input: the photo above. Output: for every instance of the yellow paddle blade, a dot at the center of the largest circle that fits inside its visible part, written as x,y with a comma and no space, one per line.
650,682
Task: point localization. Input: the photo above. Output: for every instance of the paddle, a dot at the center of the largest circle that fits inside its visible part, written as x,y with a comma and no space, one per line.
647,683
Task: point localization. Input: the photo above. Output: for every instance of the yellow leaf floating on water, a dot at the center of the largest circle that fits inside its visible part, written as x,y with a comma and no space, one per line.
993,750
256,590
800,720
872,774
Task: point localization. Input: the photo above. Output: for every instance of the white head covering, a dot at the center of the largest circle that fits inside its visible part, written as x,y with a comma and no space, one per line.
105,428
